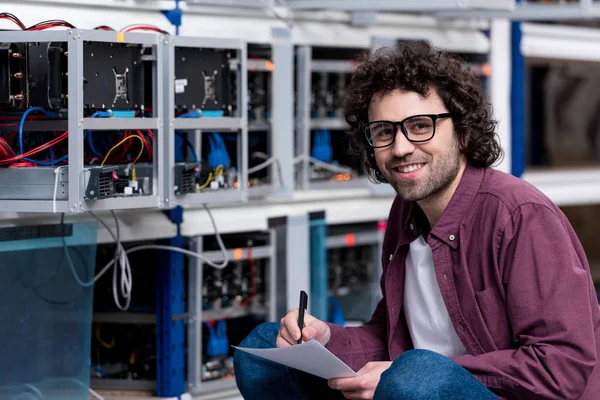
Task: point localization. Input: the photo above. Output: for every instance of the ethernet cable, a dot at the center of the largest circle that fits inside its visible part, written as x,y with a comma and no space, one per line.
321,164
121,261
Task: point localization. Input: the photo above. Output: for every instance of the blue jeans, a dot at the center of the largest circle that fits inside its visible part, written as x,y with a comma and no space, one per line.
416,374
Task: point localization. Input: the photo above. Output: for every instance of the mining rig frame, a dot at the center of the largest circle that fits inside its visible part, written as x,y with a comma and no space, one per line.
234,121
53,190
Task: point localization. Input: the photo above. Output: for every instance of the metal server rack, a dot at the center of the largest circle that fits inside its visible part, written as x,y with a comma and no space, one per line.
360,301
260,123
76,201
238,123
305,66
196,314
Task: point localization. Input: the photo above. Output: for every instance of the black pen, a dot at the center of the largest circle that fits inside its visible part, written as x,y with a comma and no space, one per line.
301,309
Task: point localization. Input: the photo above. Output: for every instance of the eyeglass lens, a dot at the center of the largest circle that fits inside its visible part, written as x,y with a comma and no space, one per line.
382,133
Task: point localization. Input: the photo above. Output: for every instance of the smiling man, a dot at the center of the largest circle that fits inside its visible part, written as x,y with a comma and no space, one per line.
486,289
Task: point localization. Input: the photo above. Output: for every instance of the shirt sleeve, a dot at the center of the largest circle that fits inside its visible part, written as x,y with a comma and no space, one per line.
549,300
357,346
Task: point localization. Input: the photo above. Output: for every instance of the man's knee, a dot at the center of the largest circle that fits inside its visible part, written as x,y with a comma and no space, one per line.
419,374
254,374
261,337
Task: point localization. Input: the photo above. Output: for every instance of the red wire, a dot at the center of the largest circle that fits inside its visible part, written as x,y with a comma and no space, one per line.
12,20
144,28
147,144
36,150
49,25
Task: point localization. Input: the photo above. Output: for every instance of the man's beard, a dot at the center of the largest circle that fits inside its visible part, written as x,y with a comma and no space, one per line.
434,179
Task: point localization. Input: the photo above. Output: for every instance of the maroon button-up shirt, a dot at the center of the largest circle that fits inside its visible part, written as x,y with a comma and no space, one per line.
515,281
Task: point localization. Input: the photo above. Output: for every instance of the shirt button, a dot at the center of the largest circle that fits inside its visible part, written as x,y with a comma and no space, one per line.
451,237
391,256
462,327
412,227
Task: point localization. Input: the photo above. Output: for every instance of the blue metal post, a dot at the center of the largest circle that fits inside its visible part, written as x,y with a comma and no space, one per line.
517,102
174,16
170,308
319,269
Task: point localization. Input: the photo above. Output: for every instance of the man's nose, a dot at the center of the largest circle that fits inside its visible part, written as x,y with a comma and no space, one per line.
402,146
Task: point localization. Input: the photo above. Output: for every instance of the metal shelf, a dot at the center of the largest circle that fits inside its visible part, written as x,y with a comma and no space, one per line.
336,124
400,5
215,386
209,123
353,239
336,66
240,254
113,124
232,312
255,127
219,196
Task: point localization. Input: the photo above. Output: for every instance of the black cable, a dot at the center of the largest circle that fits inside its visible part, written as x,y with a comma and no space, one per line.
13,18
104,28
51,22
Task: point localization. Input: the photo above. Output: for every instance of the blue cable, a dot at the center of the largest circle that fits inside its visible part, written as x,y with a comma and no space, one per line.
223,153
22,123
191,114
99,370
189,145
101,114
50,115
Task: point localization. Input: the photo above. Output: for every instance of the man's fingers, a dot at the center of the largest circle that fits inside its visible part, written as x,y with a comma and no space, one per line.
343,384
281,342
290,324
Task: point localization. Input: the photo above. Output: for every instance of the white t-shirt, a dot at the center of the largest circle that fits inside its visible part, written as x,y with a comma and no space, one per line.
428,321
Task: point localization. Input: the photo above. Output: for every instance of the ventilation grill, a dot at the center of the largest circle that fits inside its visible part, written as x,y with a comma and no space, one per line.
104,184
188,184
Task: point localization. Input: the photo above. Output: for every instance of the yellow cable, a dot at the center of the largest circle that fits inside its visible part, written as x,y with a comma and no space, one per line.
219,170
120,143
210,176
102,342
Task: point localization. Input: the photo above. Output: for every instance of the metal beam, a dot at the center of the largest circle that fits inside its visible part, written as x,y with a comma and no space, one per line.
400,5
282,121
533,12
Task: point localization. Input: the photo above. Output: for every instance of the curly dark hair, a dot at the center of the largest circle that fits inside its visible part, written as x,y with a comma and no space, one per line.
419,67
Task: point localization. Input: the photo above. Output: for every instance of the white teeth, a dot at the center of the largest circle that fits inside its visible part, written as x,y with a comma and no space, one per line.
410,168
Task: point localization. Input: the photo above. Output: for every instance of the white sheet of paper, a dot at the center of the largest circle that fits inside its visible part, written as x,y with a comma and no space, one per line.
309,357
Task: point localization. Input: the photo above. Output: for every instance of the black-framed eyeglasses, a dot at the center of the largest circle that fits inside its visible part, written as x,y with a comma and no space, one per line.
417,129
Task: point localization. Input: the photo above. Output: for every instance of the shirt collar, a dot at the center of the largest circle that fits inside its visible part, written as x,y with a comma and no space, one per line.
448,226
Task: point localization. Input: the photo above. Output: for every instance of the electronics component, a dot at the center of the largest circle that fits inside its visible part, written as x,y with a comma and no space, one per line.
259,96
239,283
47,75
203,80
114,76
218,368
185,177
36,75
12,76
349,269
123,351
43,183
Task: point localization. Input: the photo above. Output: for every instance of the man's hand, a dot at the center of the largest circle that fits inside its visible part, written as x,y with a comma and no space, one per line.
361,387
289,332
